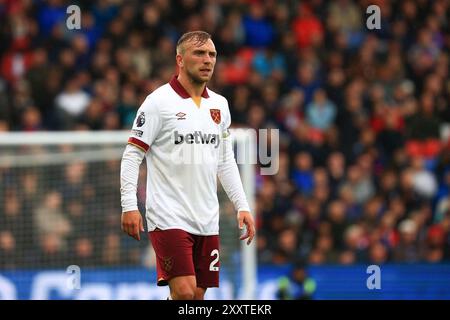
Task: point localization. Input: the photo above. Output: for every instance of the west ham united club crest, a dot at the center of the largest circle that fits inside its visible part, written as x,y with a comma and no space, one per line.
140,120
168,263
215,115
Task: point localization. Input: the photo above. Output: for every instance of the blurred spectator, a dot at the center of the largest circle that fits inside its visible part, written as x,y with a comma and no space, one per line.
8,251
345,16
321,112
258,30
336,216
435,242
93,116
299,285
128,105
50,14
111,250
72,102
424,53
84,252
269,63
39,70
407,250
356,244
286,247
74,176
424,181
302,174
307,80
359,183
31,120
50,253
52,230
390,137
423,130
378,253
307,27
13,224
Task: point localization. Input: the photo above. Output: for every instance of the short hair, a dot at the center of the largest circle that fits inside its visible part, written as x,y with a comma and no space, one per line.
200,37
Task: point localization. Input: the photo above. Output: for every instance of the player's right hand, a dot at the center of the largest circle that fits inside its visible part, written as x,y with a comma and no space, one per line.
132,224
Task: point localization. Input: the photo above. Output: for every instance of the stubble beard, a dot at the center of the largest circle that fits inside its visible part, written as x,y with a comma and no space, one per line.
195,79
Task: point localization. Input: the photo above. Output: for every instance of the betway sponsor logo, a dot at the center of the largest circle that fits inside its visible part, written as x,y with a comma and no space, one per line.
197,137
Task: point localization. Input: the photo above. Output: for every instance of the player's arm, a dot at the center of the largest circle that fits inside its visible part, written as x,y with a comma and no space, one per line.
230,179
131,221
145,130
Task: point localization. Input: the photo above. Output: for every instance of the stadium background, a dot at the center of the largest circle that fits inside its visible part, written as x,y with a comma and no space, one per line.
364,117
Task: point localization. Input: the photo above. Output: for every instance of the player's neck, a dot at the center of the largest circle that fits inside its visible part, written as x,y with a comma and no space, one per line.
195,90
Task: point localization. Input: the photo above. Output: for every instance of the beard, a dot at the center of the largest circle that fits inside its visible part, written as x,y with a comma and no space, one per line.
196,79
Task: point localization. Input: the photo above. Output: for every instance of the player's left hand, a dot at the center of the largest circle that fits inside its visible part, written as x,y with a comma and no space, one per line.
245,217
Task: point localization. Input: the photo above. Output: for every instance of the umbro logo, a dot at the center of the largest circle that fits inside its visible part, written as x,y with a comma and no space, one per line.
180,116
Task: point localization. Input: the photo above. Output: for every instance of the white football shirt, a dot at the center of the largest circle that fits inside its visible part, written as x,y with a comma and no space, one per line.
186,147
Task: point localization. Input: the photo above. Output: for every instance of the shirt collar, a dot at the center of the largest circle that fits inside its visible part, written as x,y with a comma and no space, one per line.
178,88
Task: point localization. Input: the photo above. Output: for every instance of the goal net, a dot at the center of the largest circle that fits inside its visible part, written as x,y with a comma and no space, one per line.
60,235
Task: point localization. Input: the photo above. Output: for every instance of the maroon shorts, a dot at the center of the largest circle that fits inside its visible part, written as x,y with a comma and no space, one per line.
179,253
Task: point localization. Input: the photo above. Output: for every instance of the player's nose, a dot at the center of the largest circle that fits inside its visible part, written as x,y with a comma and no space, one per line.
207,60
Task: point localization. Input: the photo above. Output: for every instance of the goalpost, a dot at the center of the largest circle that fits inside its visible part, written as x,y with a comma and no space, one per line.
69,181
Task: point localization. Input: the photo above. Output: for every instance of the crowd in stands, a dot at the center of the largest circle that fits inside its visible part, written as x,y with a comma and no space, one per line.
364,164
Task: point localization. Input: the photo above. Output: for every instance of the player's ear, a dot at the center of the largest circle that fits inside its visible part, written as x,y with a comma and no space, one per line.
179,59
